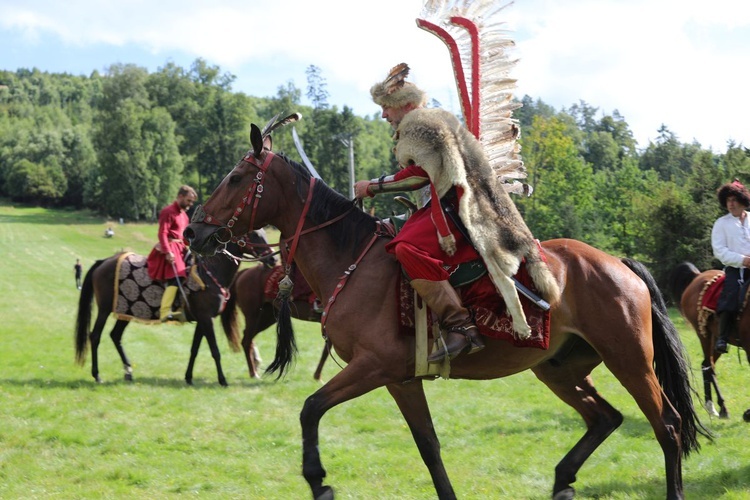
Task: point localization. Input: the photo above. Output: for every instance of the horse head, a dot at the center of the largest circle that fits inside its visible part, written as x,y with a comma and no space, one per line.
244,200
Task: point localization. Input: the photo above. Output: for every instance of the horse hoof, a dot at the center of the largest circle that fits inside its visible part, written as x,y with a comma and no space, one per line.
98,380
189,381
711,409
223,383
566,494
128,377
327,494
746,416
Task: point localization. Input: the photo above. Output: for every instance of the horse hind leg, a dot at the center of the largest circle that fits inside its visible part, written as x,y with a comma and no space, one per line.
640,380
116,336
255,322
709,381
572,384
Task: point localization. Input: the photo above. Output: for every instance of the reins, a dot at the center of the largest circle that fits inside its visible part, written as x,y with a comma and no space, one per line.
287,250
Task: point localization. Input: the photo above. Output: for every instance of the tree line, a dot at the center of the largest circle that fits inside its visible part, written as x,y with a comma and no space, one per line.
122,141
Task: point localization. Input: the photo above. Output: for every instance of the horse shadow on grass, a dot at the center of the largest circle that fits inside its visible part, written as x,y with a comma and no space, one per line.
699,484
198,384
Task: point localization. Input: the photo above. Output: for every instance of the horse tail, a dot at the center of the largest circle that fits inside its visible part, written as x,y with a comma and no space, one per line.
286,345
229,316
671,363
679,279
83,320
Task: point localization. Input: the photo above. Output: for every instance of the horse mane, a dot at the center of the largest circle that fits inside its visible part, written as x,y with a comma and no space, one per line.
328,204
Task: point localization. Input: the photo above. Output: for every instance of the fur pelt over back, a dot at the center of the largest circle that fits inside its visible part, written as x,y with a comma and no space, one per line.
435,140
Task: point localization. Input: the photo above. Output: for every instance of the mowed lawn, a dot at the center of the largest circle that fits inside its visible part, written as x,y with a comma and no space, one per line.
64,436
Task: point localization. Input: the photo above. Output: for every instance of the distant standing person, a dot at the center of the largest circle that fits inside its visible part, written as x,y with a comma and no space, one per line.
166,262
79,270
730,239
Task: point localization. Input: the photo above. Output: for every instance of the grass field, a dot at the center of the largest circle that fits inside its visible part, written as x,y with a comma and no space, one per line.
64,436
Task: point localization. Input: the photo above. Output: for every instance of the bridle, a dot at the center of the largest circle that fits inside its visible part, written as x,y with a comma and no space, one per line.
254,194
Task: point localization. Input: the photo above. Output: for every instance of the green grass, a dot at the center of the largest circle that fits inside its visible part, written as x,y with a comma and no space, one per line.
63,436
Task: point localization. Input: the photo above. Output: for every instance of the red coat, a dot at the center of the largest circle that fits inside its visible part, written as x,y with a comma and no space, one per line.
172,223
420,230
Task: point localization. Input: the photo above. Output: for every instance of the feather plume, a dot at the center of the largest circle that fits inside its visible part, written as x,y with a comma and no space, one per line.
276,123
487,84
267,128
396,78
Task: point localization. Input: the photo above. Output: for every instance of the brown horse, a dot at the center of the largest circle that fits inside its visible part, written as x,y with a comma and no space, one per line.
686,285
611,311
216,272
247,293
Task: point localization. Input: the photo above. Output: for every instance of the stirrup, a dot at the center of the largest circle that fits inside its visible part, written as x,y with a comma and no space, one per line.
469,347
178,316
721,346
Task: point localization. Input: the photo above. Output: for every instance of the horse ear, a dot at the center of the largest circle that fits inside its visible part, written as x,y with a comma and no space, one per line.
268,143
256,139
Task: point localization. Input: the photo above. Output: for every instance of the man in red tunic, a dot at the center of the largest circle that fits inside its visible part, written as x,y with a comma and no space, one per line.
168,255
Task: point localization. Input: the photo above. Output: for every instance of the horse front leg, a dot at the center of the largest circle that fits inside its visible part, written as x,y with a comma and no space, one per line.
353,381
116,336
210,335
197,337
412,402
318,375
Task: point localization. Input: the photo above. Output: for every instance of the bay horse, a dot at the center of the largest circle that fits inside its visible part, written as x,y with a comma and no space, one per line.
215,271
611,312
686,286
247,293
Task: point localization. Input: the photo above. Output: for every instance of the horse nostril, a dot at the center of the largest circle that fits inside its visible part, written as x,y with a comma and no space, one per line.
189,234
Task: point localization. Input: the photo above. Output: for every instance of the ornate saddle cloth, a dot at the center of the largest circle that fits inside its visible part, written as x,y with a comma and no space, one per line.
708,299
491,315
137,296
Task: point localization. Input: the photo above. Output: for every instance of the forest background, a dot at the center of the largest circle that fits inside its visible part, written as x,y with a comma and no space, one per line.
122,141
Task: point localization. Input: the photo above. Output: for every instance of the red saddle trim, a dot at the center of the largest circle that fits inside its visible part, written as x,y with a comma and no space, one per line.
491,316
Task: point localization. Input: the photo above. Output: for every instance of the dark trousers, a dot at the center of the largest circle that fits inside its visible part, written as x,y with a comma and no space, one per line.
731,300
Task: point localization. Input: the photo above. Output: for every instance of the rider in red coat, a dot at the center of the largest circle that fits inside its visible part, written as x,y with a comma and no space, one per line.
417,246
434,149
168,255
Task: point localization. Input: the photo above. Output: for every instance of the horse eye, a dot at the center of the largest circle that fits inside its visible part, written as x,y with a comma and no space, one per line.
234,179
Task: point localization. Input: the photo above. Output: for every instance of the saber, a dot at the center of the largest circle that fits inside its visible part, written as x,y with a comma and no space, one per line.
301,152
182,290
536,299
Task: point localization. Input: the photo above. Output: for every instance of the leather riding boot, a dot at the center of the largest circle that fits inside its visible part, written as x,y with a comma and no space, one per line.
727,322
460,333
165,311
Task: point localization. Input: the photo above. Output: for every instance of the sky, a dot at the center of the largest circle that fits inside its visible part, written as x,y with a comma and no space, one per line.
679,63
